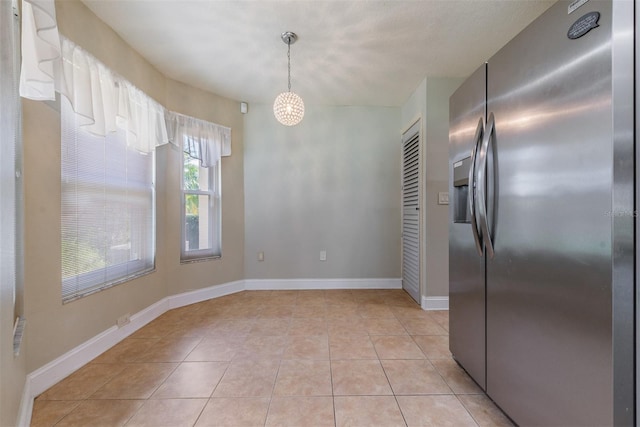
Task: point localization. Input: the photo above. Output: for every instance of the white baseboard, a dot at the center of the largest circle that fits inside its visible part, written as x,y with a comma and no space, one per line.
26,406
42,378
309,284
46,376
199,295
435,303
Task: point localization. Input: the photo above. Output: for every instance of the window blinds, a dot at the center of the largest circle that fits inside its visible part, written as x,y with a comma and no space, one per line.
107,209
109,133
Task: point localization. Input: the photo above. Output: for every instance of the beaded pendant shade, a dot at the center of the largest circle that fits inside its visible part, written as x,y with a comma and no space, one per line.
288,106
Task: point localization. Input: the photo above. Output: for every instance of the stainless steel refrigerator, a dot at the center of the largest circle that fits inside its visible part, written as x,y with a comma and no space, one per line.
542,218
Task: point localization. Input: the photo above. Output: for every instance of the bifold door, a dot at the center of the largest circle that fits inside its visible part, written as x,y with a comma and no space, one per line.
411,211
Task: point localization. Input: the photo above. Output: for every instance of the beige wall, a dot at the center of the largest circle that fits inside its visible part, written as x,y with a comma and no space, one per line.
430,102
13,369
185,277
437,177
55,328
79,24
330,183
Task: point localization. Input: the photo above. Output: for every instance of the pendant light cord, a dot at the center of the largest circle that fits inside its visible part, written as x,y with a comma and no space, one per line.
289,63
288,107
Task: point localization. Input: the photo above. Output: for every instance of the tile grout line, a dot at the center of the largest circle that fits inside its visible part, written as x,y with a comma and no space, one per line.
468,412
397,309
273,389
395,396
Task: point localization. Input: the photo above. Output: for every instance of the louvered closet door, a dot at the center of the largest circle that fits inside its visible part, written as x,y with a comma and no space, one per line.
411,211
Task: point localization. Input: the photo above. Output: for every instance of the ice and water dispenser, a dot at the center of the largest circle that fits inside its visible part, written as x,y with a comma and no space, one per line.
461,190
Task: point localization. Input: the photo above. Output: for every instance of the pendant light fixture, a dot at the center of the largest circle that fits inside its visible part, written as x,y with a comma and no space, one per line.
288,106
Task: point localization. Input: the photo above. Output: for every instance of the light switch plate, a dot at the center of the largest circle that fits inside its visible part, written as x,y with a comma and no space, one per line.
443,198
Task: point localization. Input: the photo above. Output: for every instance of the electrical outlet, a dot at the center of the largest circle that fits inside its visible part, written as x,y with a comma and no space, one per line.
124,320
323,255
260,256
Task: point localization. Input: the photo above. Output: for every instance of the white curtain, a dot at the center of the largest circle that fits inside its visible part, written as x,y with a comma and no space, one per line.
202,140
104,101
41,52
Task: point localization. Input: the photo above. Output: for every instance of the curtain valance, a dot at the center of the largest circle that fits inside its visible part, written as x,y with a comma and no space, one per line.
41,52
104,100
200,139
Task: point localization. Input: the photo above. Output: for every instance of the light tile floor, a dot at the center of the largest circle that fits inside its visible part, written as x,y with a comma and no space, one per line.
278,358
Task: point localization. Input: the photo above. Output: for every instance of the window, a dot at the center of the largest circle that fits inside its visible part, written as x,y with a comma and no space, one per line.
108,217
200,208
203,146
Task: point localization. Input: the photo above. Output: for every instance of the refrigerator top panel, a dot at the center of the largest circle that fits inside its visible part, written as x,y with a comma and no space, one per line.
552,162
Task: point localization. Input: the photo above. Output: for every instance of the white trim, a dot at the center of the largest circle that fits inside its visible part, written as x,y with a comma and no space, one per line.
416,118
46,376
302,284
199,295
26,406
435,303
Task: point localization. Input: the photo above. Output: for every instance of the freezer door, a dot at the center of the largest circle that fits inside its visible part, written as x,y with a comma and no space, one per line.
466,265
550,347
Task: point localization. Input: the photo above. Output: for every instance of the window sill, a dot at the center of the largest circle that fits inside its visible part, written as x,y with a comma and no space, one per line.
93,290
197,260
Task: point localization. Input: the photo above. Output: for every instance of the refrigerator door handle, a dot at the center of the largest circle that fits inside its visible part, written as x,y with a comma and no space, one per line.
482,186
472,187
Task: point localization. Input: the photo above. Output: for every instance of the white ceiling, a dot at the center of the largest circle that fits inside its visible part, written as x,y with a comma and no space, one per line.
358,52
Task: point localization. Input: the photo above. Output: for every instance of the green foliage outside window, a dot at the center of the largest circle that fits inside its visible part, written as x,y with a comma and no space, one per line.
191,177
79,258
